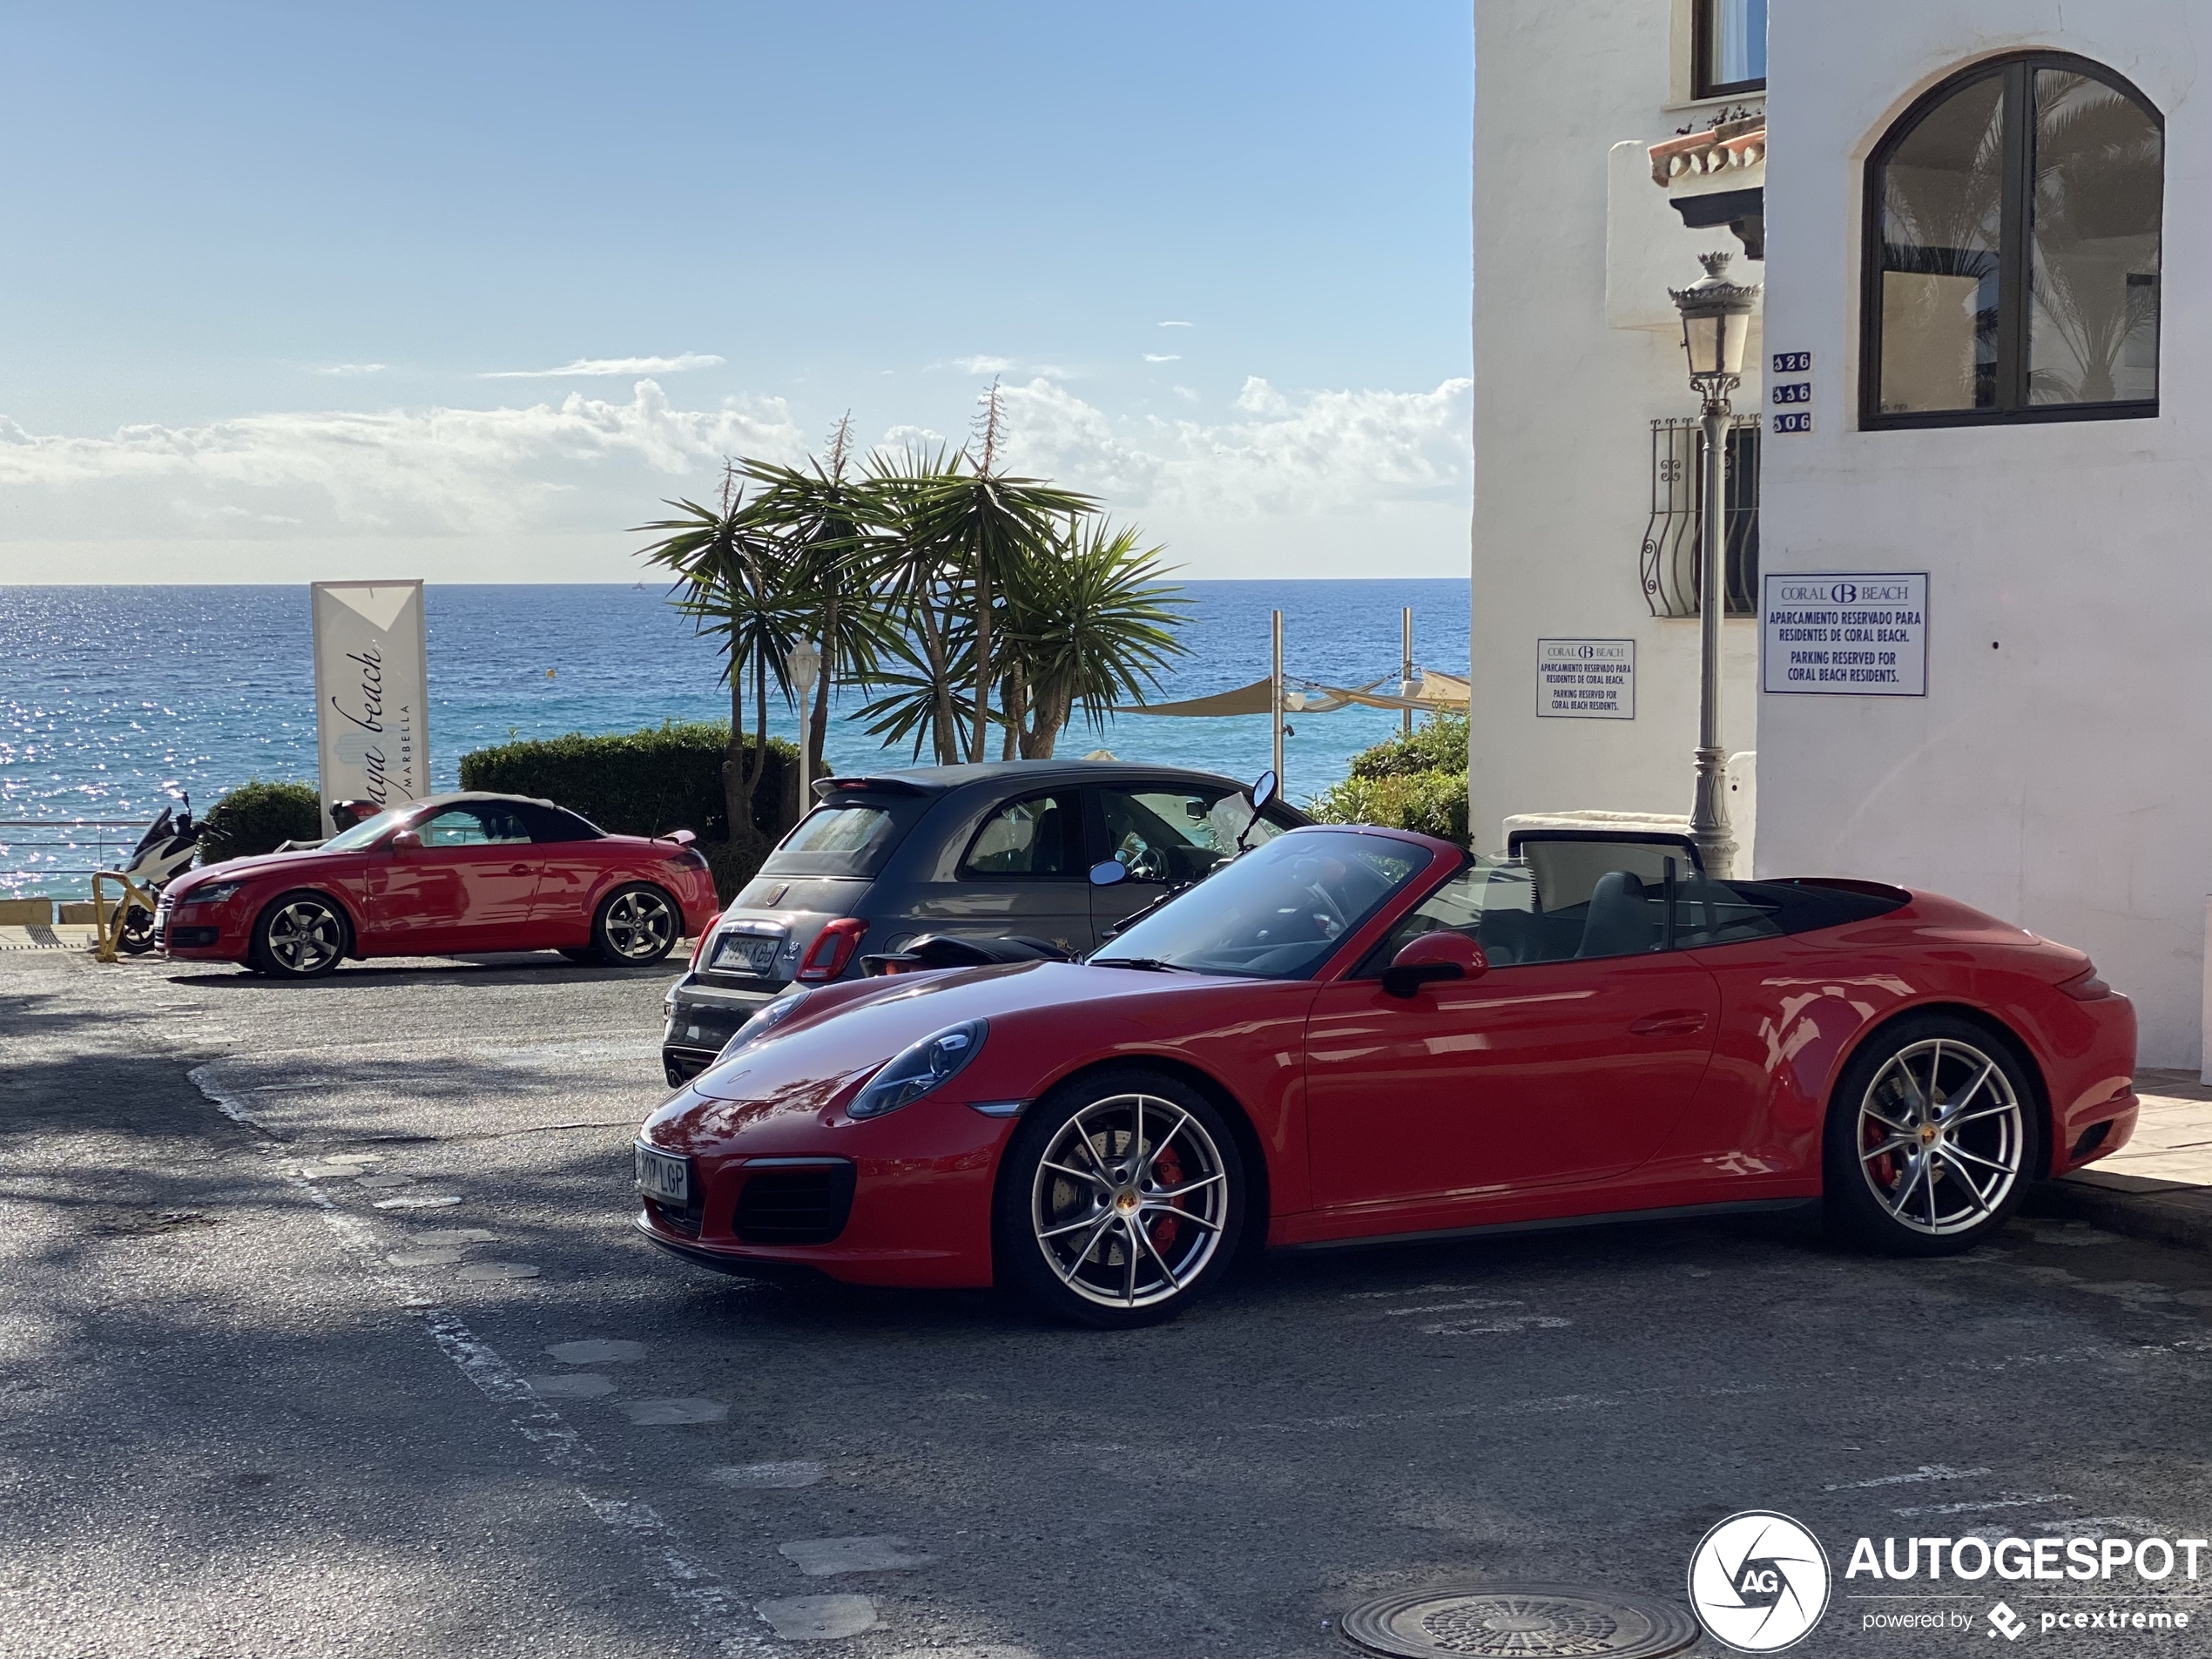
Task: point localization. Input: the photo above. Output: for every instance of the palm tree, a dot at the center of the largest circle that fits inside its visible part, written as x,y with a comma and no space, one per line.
821,519
970,527
734,582
1088,625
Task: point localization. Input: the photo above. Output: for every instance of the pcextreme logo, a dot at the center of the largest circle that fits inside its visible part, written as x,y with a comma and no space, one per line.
1758,1581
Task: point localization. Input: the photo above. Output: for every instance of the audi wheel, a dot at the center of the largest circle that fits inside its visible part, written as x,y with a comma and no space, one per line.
636,925
1120,1200
301,935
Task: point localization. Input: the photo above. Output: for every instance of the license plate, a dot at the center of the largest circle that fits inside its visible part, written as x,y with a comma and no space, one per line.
747,954
664,1177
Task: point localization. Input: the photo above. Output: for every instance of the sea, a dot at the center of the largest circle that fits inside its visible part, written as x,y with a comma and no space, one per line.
113,700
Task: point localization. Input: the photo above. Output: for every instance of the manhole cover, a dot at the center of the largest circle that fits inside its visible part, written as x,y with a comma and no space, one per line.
1533,1620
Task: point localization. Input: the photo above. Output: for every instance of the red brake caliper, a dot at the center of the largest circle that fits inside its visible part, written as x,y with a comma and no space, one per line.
1167,1169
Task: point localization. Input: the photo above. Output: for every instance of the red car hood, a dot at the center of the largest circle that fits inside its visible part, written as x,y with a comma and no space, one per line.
243,869
814,1065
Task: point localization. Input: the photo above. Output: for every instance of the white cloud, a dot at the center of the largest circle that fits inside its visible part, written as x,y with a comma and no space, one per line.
1162,357
1328,451
1179,325
584,368
350,368
982,365
583,464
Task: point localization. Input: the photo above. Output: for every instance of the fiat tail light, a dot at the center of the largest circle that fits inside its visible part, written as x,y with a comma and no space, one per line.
831,950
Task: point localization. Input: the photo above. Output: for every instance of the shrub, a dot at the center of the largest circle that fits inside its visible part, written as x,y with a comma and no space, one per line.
253,818
1414,783
637,783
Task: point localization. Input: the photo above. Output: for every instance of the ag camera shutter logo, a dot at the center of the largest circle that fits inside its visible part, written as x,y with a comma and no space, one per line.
1758,1581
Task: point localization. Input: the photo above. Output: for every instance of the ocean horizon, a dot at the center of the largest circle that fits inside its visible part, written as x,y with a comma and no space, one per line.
112,698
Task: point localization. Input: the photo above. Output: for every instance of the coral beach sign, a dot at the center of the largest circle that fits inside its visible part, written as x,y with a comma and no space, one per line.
372,679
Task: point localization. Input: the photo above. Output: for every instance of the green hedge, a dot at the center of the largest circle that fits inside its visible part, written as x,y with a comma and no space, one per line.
1416,783
638,783
253,818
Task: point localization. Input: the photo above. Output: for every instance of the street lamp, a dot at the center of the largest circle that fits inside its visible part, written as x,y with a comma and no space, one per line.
1716,319
804,663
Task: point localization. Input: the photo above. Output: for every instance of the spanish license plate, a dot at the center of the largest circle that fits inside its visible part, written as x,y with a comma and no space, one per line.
664,1177
747,954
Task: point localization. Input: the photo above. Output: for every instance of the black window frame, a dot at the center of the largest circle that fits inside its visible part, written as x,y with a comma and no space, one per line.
2015,220
1701,54
966,870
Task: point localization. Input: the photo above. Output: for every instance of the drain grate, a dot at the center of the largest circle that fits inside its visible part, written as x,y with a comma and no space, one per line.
1523,1621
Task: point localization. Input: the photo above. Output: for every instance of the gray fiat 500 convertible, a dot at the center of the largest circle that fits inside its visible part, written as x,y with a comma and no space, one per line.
985,850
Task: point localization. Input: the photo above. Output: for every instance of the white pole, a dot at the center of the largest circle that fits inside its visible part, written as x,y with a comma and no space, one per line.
1275,688
804,665
1406,678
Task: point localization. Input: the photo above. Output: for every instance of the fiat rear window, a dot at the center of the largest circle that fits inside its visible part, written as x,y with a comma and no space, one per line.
843,838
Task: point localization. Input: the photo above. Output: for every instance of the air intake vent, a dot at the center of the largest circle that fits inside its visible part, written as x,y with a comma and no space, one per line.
2092,1138
800,1206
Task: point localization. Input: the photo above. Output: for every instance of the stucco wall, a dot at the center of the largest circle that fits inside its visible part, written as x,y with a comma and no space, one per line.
2055,773
1566,379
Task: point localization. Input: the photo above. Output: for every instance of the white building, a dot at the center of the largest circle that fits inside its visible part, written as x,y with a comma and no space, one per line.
1963,229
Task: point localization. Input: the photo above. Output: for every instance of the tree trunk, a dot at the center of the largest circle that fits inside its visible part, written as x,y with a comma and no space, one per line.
1013,703
816,767
736,798
982,656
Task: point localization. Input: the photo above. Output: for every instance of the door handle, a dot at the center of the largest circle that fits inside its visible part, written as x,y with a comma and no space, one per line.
1671,1022
518,869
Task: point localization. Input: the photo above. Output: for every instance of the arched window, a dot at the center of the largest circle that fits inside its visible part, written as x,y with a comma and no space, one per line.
2012,250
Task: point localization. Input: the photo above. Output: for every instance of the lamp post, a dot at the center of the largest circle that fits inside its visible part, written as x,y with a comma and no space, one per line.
1716,319
804,663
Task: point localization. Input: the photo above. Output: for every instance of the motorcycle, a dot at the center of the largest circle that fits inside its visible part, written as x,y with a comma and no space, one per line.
164,852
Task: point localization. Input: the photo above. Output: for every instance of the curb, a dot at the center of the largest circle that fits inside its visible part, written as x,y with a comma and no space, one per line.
2167,1212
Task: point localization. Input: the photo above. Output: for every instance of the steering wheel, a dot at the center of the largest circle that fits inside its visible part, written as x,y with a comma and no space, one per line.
1143,861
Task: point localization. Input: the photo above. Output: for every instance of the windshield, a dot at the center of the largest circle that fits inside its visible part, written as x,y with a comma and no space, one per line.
1278,911
365,831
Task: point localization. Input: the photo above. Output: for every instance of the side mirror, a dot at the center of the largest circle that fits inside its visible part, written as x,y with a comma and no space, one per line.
406,840
1441,955
1108,873
1264,787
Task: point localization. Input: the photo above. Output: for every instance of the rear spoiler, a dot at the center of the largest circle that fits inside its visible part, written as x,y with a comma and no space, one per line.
824,787
682,837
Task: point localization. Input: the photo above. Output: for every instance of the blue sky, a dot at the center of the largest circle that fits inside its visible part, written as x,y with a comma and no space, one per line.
461,291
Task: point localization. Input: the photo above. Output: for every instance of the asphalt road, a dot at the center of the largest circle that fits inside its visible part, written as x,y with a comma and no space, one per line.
257,1400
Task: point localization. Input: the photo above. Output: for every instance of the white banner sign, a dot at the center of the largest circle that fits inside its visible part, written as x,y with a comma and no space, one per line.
1586,679
372,675
1852,635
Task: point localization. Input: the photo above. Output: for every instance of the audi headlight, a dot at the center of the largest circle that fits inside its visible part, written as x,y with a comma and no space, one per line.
213,893
764,1019
912,1072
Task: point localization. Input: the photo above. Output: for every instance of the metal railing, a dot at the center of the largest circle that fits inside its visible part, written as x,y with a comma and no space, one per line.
1670,538
61,853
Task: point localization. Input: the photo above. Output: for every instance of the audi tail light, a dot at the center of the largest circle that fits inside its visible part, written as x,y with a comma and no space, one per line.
699,946
832,951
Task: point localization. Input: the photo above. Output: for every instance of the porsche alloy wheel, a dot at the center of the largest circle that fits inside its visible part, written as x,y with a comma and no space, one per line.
1941,1141
636,925
1123,1201
302,935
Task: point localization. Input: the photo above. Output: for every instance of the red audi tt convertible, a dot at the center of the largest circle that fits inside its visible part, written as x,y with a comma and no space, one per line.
449,875
1351,1035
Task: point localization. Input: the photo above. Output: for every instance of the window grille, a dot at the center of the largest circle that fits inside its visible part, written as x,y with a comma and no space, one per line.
1671,539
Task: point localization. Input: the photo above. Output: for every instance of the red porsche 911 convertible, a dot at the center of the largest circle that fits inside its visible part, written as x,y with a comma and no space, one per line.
1351,1034
445,876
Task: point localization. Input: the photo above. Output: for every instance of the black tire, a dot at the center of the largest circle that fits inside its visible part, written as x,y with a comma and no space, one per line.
1911,1181
1077,1245
301,935
636,925
136,935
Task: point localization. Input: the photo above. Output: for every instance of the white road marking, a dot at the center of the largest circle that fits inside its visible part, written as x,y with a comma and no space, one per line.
820,1557
775,1477
2013,1501
662,1414
455,1235
491,1272
441,1257
816,1618
1453,1307
1512,1326
597,1352
1410,1290
202,1078
1926,1472
441,1201
384,1182
699,1591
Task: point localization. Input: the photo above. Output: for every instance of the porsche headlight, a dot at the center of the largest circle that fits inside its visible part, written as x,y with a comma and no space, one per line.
766,1019
913,1072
